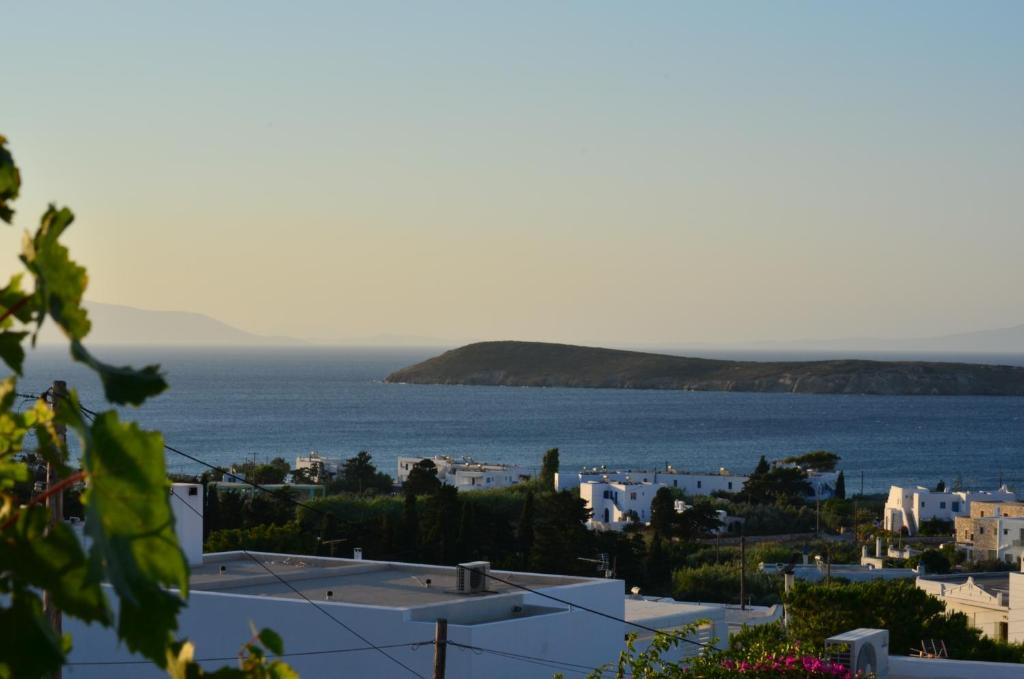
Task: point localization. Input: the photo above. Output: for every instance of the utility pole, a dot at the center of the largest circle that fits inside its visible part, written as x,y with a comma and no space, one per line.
743,572
55,503
440,646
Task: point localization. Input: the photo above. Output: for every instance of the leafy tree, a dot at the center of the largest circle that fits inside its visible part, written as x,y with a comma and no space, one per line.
269,473
940,487
128,518
935,562
840,489
818,460
659,571
783,485
422,479
548,469
560,533
762,467
524,529
697,521
360,475
663,513
439,528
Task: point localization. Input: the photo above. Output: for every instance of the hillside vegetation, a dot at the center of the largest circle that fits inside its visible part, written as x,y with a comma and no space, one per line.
539,364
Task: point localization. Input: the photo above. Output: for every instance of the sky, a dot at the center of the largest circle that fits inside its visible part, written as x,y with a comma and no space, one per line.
586,172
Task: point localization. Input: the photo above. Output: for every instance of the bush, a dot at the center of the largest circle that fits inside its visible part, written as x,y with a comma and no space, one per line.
721,583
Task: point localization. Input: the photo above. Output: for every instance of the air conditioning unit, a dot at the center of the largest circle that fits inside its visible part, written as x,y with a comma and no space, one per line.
471,578
861,650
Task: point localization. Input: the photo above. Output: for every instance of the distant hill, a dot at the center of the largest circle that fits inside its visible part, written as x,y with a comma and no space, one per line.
115,324
995,341
538,364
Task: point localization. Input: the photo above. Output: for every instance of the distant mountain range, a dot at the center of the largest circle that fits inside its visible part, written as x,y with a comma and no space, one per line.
115,324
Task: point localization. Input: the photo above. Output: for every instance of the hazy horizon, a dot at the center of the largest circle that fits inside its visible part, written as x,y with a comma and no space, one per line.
665,174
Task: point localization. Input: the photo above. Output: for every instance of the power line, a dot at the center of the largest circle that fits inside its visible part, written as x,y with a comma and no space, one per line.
414,645
572,604
328,614
548,662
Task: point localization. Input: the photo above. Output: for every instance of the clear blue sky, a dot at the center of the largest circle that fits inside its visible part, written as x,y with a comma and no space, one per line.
586,172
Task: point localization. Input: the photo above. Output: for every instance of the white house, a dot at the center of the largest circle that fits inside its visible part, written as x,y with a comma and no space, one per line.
907,507
691,483
993,531
615,504
320,468
983,597
466,474
377,619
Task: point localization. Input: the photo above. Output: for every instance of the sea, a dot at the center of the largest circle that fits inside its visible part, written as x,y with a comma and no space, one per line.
227,405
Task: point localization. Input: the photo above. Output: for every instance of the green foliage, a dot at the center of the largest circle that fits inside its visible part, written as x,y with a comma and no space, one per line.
721,583
663,513
359,475
936,527
840,490
288,539
779,485
253,661
560,536
125,500
548,469
818,460
751,637
422,479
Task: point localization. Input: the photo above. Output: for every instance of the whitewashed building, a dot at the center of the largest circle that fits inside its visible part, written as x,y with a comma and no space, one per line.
690,483
466,474
613,505
993,531
983,597
907,507
321,469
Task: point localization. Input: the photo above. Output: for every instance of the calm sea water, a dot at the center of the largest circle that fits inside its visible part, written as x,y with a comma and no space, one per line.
227,404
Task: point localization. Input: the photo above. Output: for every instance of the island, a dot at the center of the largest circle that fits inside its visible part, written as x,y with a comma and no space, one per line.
541,364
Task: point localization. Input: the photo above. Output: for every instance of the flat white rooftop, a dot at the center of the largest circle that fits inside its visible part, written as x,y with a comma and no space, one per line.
373,583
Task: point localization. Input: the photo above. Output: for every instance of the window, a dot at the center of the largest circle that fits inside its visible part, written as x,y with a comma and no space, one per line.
675,482
981,530
193,490
1006,532
730,485
942,505
632,496
698,484
956,506
922,503
981,513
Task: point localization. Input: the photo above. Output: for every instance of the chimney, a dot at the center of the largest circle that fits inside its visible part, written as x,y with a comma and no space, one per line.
187,507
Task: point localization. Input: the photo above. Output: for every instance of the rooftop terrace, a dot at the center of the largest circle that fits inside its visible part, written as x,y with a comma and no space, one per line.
375,583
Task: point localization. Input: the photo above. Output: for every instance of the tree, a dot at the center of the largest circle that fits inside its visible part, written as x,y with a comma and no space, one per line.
697,521
128,517
840,489
785,485
560,533
818,460
940,487
269,473
410,523
211,514
663,513
549,467
422,479
439,528
359,475
524,529
762,467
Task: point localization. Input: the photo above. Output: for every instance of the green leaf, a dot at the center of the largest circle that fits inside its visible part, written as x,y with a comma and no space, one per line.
13,302
28,645
10,181
11,351
60,281
53,560
122,384
129,518
272,641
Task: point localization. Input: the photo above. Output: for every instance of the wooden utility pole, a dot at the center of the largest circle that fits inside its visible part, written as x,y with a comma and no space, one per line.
743,572
55,503
440,647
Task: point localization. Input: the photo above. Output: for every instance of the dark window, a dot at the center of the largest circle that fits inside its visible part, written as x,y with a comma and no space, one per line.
698,484
942,505
730,485
193,491
956,506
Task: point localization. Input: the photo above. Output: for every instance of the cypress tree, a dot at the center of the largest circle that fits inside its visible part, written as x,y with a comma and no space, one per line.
840,491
